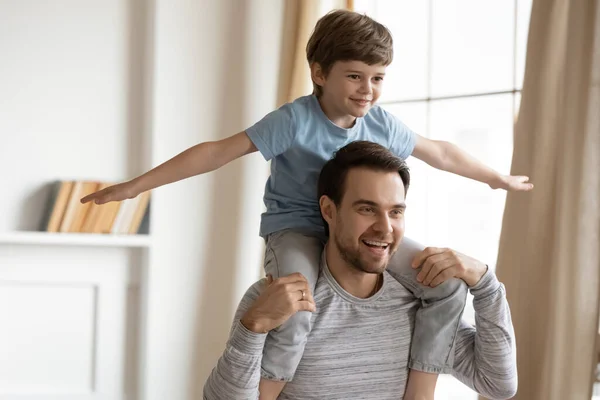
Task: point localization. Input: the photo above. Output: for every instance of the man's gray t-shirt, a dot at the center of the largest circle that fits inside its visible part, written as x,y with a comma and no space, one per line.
359,348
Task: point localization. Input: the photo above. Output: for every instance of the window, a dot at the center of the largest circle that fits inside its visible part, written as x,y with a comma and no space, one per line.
456,76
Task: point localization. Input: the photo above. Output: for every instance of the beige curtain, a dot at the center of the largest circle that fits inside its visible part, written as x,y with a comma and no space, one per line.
549,248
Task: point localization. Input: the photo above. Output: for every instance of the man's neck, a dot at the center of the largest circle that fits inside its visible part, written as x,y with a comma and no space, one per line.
358,283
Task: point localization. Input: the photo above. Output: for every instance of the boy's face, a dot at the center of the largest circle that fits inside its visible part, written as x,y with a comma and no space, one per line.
350,88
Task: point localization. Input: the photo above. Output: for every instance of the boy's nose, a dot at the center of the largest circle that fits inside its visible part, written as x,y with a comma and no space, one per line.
366,88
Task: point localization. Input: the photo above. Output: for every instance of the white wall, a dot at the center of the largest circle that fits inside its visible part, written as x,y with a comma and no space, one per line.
104,90
63,99
67,105
215,74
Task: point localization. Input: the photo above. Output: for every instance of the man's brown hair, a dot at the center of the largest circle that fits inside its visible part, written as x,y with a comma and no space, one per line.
358,154
343,35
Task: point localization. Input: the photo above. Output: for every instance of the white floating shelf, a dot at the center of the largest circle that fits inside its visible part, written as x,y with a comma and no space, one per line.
74,239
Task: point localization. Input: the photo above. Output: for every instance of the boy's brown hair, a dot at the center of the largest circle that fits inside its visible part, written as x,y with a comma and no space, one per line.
343,35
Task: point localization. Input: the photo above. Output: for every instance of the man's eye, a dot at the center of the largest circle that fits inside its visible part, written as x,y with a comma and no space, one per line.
367,209
397,212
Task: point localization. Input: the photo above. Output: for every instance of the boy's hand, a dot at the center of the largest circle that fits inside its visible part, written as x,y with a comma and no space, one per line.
120,192
512,183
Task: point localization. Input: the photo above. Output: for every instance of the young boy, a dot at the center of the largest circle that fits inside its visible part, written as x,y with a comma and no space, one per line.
348,54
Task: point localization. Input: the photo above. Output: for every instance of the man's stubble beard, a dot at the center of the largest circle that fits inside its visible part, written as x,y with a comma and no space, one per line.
352,257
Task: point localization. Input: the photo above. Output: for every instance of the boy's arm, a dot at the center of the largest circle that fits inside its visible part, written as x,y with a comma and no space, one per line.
196,160
449,157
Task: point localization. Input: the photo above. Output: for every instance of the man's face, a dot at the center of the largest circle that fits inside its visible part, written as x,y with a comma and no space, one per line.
352,87
368,225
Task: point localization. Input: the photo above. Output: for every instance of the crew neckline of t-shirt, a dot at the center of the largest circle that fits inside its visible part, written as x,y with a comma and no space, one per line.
343,293
339,129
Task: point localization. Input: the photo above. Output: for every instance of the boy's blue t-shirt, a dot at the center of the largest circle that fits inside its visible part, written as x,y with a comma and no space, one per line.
299,139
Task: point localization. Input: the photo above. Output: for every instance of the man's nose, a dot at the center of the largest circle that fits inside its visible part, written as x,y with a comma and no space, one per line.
383,224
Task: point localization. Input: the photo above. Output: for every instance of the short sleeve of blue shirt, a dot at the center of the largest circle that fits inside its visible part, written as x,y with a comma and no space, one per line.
402,138
275,133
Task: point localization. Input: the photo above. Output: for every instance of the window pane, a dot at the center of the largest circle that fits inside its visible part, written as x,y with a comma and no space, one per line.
406,78
449,388
523,14
414,115
464,214
472,48
467,215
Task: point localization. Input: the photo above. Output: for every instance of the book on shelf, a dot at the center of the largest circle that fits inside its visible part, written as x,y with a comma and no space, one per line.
65,212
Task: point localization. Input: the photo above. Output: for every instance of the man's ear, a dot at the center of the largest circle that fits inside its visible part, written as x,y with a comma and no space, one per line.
317,74
327,208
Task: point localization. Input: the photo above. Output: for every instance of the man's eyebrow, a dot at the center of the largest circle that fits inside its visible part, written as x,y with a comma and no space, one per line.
371,203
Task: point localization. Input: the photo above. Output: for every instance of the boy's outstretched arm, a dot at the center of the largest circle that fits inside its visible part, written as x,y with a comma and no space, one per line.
196,160
451,158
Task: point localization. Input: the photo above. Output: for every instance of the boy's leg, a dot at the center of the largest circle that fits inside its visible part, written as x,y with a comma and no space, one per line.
420,386
288,252
437,320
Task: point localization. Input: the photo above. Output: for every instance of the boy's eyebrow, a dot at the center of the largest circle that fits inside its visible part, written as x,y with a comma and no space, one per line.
371,203
353,71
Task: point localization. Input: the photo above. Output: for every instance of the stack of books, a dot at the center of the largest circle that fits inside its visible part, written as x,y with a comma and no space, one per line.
65,213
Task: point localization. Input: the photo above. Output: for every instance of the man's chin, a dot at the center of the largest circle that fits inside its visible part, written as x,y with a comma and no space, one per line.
372,267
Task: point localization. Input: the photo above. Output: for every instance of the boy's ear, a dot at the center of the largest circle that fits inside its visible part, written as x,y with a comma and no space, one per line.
327,209
317,74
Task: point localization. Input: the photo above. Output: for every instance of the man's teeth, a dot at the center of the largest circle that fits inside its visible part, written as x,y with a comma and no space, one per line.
374,243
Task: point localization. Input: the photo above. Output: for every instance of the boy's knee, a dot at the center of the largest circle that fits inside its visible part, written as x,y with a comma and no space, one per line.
293,332
452,286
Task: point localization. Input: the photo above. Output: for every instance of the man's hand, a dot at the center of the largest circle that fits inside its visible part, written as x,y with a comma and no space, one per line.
440,264
280,299
512,183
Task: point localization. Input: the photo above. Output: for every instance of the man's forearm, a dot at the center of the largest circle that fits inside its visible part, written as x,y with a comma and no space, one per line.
485,355
237,374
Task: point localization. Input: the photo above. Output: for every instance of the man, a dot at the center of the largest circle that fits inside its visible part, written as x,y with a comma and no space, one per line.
362,317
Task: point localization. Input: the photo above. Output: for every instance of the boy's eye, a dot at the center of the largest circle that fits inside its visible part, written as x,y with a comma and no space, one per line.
353,76
379,78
